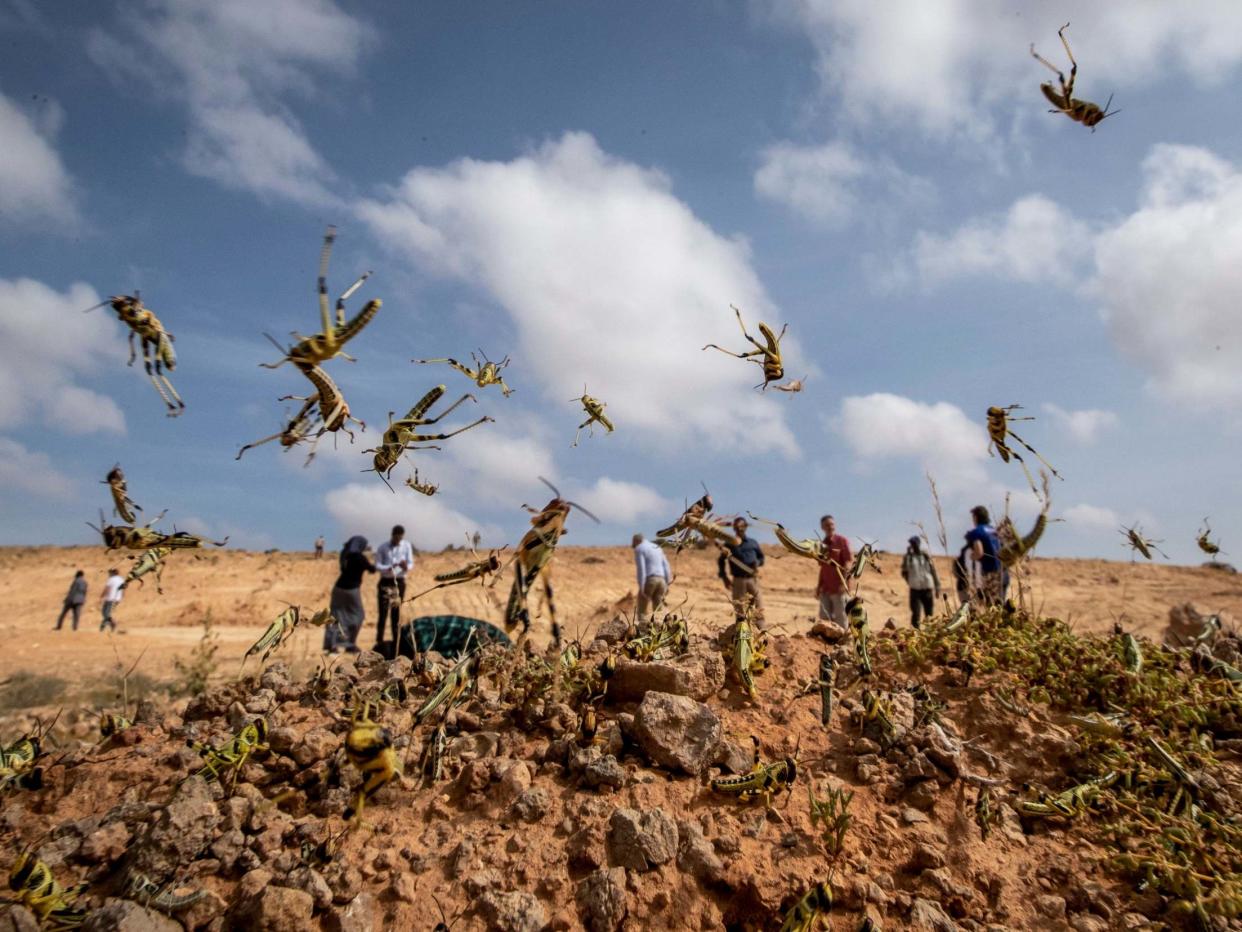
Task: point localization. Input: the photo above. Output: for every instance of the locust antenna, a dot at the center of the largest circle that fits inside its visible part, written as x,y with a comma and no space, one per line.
555,490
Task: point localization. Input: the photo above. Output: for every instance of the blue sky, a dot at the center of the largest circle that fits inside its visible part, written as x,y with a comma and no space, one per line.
587,187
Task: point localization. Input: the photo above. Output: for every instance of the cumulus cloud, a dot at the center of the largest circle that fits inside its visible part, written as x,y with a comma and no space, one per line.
232,62
35,187
616,501
1169,277
42,368
1035,240
32,472
372,510
1092,518
609,279
946,65
827,184
940,436
1084,426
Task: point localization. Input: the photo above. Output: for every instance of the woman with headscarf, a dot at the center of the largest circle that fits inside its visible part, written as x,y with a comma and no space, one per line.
347,597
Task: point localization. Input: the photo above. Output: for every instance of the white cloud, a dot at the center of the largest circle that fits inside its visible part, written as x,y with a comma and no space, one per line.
1084,426
948,65
1035,240
615,501
372,510
496,465
609,279
940,436
828,184
231,62
42,364
24,470
35,188
238,537
1092,518
1169,277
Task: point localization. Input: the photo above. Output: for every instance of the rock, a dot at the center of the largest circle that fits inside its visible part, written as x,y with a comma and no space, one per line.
695,675
614,631
911,816
261,702
1085,922
316,745
696,856
734,756
278,909
514,781
922,795
641,841
927,916
359,915
604,771
106,844
204,911
127,916
184,828
585,848
309,880
677,732
926,857
531,806
601,899
512,912
17,918
1050,905
484,881
828,631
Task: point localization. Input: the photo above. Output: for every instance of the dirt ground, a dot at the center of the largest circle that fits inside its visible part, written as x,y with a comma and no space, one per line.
243,591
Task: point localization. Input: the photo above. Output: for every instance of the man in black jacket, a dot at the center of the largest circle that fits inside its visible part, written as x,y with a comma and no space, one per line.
742,561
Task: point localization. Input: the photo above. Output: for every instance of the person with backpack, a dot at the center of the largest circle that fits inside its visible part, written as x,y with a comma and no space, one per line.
985,548
919,572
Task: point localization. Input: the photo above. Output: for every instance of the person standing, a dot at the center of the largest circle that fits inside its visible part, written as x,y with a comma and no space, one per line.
113,589
742,561
319,542
75,598
394,559
919,572
654,575
985,548
830,589
346,603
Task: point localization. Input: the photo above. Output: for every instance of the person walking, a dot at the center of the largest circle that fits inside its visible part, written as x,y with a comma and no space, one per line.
965,573
346,603
742,562
75,598
319,542
113,590
394,559
830,588
919,572
654,575
985,548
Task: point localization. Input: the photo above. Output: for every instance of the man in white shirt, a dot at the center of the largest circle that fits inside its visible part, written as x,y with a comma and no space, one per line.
654,575
393,559
112,591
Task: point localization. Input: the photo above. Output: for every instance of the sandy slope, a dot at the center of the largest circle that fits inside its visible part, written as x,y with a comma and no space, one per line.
244,591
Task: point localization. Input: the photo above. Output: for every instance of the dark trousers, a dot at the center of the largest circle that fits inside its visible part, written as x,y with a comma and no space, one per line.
390,592
69,607
921,603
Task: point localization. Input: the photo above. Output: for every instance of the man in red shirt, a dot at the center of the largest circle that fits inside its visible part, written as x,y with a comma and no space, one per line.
830,590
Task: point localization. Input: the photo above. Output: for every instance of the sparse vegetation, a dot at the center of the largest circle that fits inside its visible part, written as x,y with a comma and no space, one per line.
26,690
195,674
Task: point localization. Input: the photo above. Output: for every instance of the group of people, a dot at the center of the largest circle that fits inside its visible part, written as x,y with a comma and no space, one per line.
109,599
978,573
394,559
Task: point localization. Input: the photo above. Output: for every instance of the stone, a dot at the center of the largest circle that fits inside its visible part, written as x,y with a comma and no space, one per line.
183,830
602,900
127,916
532,805
695,675
604,771
696,856
928,916
614,631
512,912
17,918
514,781
734,756
677,732
358,915
1085,922
106,844
1050,905
641,840
926,857
309,880
585,848
911,816
278,909
922,795
316,745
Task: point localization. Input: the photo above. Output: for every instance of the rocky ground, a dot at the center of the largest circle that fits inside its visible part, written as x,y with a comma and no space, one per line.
533,825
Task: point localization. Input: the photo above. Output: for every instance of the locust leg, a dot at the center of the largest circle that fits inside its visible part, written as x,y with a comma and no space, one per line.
133,353
152,365
421,438
346,295
1035,452
328,238
449,410
547,591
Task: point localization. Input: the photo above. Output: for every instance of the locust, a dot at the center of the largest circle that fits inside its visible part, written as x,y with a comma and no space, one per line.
767,355
368,746
810,910
484,373
157,345
233,754
877,714
1063,101
164,898
983,811
333,409
827,674
857,614
122,504
1132,653
476,570
1073,802
432,765
958,618
1140,544
313,350
533,558
423,488
111,724
1204,540
38,890
812,548
864,557
151,561
124,537
747,654
404,434
280,630
669,637
594,409
998,421
451,687
792,386
297,430
694,511
764,780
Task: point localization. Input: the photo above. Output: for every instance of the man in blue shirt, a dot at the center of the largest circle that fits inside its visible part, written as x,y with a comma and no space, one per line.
985,547
742,560
654,576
